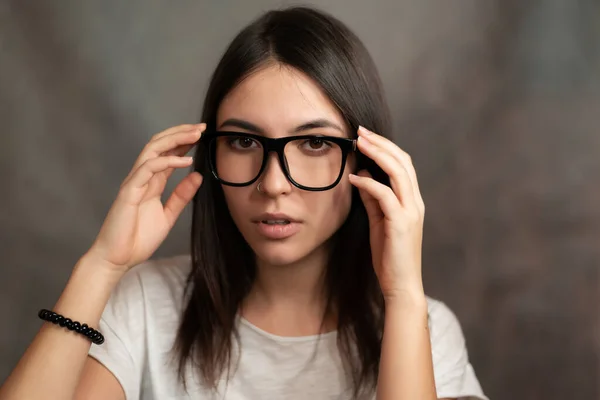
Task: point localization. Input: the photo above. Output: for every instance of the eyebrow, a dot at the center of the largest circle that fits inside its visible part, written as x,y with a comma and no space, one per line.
240,123
314,124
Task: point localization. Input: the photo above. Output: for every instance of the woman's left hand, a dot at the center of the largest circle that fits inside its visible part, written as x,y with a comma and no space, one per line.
395,216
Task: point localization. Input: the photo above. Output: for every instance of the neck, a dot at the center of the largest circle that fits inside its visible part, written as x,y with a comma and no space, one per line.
289,300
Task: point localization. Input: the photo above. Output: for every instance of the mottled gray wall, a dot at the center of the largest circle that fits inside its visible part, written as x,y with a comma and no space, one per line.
498,101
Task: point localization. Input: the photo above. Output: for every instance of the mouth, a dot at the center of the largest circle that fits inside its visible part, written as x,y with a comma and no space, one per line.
275,222
274,219
277,226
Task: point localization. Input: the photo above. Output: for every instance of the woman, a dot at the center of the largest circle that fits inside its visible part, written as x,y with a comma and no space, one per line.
305,273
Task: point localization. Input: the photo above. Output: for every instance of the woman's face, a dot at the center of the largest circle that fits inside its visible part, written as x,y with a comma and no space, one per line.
276,101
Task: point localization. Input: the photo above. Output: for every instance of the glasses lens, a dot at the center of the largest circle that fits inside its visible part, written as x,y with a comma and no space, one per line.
237,159
313,162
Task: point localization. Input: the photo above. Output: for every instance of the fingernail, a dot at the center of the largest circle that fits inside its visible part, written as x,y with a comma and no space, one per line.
188,159
352,177
364,130
364,142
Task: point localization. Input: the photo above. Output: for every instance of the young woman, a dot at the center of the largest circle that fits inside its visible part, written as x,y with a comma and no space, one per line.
304,280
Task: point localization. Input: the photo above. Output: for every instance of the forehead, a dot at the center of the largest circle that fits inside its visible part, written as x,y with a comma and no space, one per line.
278,98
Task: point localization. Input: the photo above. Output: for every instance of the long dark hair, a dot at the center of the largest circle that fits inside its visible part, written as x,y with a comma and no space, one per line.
223,264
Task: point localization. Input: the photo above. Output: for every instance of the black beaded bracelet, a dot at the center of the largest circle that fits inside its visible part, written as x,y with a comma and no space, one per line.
57,319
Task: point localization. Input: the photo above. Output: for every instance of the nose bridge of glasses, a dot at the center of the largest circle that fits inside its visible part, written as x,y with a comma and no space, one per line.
278,158
277,146
274,145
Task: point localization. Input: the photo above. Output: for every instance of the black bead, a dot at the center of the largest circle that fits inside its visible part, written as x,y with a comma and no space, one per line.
92,334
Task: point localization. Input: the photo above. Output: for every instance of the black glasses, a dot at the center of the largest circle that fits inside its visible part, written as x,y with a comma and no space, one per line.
310,162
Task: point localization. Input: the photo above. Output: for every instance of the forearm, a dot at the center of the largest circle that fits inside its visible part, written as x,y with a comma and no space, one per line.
406,368
54,360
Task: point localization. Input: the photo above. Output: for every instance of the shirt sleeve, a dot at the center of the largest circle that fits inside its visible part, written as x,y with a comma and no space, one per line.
454,375
123,325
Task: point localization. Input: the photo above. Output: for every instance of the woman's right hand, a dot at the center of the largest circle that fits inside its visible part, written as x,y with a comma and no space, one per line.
138,222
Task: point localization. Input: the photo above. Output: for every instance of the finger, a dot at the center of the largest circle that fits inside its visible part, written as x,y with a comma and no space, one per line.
399,179
176,143
146,171
184,143
385,197
175,129
399,154
170,143
182,194
371,204
166,174
158,182
179,151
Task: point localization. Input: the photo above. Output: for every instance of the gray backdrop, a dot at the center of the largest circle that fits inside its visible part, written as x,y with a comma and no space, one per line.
498,101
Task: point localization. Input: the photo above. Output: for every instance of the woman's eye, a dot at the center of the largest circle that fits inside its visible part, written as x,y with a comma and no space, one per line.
241,142
315,144
245,142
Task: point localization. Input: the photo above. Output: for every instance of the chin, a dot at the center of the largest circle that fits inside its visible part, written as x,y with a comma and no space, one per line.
278,253
283,252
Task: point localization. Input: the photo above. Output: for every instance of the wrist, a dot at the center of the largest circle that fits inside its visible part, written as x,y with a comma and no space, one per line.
87,291
98,270
408,297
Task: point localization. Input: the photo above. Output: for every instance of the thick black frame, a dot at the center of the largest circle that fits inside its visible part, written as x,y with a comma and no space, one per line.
277,145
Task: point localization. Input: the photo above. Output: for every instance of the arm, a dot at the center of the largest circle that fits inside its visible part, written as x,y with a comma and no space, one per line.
55,360
405,369
396,212
98,383
136,224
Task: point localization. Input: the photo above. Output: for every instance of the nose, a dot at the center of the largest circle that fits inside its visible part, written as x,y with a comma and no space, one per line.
273,181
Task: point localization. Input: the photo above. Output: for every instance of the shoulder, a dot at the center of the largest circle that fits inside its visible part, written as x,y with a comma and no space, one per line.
149,298
156,277
153,288
444,326
169,274
447,339
141,316
454,374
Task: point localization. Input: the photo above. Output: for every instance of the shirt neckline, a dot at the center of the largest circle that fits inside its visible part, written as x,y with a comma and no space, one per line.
310,338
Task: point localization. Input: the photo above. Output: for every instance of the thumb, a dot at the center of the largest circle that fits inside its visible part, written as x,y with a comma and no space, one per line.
182,194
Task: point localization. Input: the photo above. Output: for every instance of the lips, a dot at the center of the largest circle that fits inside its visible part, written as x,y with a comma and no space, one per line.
274,219
276,226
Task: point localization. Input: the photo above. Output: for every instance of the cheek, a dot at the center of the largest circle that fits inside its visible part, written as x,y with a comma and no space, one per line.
331,207
236,199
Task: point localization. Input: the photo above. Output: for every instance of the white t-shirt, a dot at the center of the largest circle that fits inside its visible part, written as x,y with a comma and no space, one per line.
141,320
